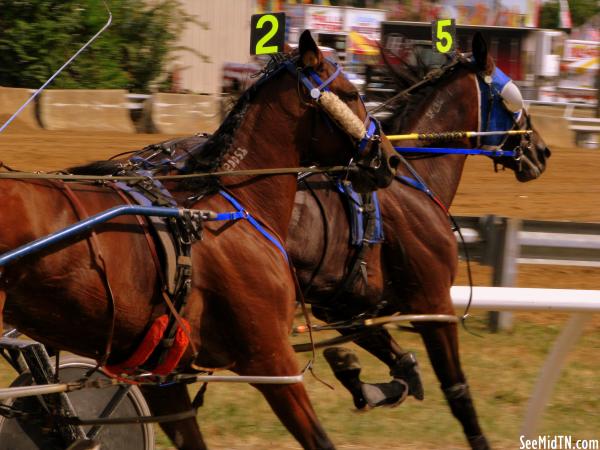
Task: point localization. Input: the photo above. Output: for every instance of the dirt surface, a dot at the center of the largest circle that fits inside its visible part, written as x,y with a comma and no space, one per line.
569,190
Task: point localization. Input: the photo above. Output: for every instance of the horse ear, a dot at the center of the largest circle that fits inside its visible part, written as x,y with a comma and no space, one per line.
480,51
310,55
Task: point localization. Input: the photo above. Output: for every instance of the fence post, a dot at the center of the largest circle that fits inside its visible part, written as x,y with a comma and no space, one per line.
550,372
502,237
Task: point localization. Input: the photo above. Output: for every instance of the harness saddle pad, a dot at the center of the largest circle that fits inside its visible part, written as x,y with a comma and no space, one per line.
365,215
163,236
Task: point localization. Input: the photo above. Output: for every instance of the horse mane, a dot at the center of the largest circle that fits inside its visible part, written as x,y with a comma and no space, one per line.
409,72
100,168
212,152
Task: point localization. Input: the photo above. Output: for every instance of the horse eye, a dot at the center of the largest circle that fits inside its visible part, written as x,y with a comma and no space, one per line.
350,95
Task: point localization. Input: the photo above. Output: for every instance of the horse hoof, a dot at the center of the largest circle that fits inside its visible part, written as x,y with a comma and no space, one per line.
385,394
407,369
341,358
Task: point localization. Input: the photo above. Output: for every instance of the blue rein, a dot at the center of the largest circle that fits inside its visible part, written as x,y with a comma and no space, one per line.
457,151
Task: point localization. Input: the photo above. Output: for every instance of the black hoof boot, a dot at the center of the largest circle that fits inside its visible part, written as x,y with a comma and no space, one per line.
385,394
346,368
479,442
407,369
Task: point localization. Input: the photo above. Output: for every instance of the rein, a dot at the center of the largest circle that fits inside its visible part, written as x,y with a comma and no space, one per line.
458,151
234,173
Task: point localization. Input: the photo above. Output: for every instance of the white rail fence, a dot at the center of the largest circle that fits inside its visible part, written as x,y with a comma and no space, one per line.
581,303
503,244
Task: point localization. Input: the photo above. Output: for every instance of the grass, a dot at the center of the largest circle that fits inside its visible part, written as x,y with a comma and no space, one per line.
501,369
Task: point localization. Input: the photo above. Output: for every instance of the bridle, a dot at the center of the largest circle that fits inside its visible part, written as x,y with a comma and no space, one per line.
366,145
519,120
494,101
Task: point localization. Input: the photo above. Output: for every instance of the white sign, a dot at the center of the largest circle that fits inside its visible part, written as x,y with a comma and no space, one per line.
364,21
323,19
576,50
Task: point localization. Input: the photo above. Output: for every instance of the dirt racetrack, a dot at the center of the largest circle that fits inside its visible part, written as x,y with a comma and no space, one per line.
569,190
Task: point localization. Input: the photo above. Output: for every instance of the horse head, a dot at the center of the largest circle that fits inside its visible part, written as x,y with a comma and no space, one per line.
530,149
508,111
333,96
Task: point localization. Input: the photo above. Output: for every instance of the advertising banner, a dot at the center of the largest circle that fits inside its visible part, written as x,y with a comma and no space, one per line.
324,19
364,21
577,50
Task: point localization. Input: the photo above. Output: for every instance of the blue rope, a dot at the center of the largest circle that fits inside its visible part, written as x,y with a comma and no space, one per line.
456,151
243,214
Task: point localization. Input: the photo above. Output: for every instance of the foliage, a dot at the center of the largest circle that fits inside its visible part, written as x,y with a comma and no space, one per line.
581,12
549,14
39,36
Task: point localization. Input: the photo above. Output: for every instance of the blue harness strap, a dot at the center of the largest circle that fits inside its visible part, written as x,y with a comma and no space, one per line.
357,218
371,129
241,213
372,126
494,115
315,91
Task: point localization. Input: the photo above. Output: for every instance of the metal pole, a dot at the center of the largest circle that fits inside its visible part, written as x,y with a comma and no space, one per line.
505,268
28,391
551,370
36,93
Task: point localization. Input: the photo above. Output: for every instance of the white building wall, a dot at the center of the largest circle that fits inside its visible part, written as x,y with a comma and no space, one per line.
221,34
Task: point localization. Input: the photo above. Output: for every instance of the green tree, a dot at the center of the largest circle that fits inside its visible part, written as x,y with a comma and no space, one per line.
38,36
581,11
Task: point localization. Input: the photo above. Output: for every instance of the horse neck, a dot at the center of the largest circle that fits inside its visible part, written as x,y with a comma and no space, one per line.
453,106
267,139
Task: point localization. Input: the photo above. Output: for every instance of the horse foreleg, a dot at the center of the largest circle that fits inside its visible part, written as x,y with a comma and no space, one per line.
292,406
441,341
289,402
185,434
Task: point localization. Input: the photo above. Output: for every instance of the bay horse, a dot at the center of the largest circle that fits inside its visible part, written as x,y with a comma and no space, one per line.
96,295
413,269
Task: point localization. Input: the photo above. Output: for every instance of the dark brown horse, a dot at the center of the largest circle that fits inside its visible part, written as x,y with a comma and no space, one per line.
412,271
243,293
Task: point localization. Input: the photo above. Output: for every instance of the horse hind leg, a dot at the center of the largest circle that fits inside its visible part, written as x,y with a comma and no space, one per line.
441,341
403,365
346,368
163,400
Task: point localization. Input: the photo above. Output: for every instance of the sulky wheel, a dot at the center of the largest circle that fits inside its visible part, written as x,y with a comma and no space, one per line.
33,433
